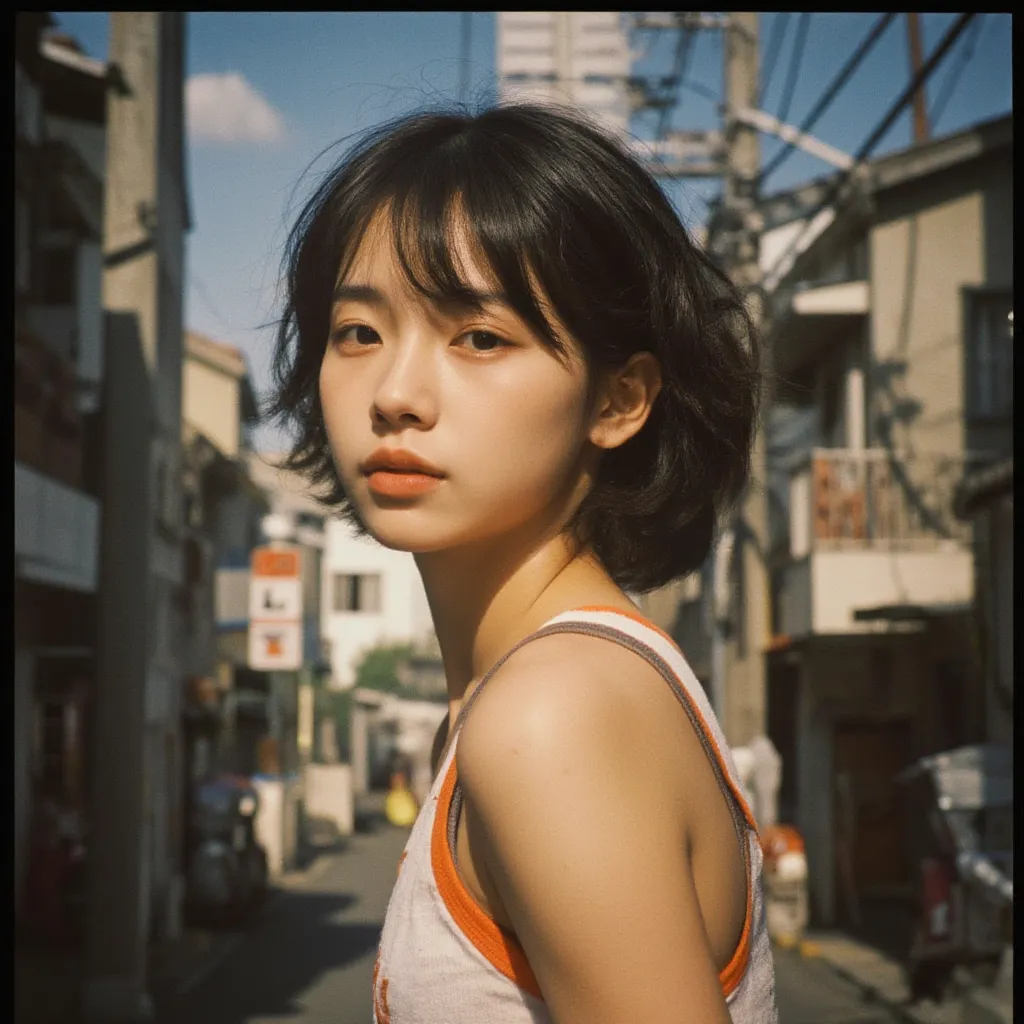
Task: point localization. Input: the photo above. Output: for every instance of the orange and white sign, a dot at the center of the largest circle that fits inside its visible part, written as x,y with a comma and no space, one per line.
275,610
275,646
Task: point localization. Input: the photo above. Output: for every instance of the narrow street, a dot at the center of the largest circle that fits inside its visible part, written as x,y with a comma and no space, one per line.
309,957
809,991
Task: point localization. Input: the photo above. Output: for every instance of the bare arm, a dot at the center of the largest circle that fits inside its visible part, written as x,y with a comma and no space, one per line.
585,845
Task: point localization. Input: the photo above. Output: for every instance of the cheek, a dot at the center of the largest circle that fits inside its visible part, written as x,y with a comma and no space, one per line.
530,446
333,405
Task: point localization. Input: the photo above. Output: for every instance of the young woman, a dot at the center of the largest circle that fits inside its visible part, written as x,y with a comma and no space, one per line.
503,354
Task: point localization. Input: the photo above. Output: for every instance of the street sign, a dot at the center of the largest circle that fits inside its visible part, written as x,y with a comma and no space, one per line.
275,598
275,646
275,609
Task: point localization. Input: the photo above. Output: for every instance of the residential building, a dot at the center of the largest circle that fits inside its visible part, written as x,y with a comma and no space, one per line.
576,57
222,513
891,368
60,110
372,595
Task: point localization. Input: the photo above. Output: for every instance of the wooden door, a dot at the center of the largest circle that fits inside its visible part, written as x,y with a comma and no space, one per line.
869,813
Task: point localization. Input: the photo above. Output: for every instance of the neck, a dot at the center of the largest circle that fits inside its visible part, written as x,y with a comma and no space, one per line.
484,598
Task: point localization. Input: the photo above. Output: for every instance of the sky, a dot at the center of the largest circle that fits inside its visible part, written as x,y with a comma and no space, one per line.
273,98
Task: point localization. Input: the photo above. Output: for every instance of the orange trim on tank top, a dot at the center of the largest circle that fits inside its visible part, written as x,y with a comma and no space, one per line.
734,789
500,948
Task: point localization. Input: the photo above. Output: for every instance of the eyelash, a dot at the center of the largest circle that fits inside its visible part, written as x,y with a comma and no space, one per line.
338,337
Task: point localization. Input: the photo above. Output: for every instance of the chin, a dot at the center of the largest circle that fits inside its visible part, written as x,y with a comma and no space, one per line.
399,530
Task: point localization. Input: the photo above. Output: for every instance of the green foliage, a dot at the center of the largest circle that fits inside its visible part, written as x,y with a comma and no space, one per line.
379,670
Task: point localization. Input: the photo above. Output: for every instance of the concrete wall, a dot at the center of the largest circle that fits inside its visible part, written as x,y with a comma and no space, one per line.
404,614
277,821
211,405
843,581
821,592
929,241
328,789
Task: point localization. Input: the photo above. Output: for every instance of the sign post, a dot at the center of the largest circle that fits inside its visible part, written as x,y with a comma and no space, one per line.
275,610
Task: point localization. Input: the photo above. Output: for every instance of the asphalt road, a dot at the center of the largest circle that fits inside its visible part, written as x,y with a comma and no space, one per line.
308,959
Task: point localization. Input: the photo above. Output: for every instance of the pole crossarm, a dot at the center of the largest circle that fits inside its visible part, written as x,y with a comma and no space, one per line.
833,90
789,133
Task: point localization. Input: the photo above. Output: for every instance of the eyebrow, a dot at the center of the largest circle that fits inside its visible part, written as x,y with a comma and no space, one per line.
375,297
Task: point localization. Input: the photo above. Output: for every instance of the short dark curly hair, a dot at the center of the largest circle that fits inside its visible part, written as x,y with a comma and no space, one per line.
557,204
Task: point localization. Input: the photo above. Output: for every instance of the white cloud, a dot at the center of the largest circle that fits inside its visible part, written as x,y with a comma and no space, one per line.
226,108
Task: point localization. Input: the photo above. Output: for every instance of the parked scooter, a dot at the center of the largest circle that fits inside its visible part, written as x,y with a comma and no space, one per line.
960,825
227,876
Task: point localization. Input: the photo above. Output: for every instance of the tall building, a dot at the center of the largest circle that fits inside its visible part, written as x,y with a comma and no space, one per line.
580,57
136,773
60,117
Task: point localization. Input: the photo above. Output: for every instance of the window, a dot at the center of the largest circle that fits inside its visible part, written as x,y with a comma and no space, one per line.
356,593
990,355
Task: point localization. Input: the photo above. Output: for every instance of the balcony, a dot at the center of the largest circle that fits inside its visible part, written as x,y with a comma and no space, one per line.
48,428
869,529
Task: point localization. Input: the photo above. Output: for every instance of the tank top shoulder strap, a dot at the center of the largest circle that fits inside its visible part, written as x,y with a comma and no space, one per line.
644,638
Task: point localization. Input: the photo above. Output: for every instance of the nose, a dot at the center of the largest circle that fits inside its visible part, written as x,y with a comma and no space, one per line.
406,395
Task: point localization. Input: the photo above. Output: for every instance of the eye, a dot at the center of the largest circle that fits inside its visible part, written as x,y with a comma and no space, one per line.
483,341
355,334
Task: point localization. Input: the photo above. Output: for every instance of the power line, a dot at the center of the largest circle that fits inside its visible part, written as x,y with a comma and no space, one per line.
799,45
779,26
832,91
877,135
686,36
209,303
949,83
464,54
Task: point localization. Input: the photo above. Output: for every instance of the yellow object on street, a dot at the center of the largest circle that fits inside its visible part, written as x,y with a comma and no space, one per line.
400,807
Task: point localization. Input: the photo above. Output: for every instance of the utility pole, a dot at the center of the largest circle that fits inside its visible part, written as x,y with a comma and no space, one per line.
920,107
741,626
135,728
738,600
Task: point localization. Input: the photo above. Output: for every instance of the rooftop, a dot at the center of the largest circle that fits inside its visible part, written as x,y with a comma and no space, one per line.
220,355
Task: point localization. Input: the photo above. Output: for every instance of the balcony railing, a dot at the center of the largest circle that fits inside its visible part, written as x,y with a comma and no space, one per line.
841,499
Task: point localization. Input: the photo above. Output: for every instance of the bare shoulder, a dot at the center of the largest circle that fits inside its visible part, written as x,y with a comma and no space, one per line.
569,702
570,766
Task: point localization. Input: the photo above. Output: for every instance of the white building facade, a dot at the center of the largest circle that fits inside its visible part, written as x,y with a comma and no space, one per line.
371,596
579,57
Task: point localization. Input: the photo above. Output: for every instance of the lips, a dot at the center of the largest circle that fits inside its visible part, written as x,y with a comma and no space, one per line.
397,473
398,460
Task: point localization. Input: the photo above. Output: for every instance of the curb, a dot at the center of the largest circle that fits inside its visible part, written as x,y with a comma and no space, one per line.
924,1013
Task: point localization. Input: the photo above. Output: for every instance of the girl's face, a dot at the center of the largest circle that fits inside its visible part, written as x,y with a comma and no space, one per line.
500,419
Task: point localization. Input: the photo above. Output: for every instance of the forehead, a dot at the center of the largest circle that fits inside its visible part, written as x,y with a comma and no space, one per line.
375,253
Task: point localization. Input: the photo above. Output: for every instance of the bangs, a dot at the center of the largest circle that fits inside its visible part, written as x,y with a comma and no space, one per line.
451,202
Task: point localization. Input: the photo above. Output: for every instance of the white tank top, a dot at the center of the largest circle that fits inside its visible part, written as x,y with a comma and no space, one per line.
443,960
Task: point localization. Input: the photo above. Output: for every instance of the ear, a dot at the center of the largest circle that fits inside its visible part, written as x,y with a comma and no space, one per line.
624,401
